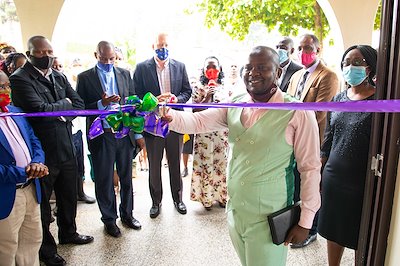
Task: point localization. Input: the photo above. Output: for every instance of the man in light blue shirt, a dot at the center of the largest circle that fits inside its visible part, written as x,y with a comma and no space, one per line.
104,87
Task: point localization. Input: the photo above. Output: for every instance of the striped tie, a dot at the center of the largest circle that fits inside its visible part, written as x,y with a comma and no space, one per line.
300,88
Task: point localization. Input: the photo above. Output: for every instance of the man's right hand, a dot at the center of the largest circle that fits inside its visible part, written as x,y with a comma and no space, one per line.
105,100
163,112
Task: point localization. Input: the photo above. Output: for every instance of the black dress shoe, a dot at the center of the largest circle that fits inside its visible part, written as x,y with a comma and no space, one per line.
87,199
155,211
309,239
55,260
131,223
185,172
77,240
180,207
112,229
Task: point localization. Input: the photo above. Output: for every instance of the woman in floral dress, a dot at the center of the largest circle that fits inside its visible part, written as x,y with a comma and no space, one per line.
211,149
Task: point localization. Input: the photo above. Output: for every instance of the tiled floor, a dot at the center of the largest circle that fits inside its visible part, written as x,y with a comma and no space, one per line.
198,238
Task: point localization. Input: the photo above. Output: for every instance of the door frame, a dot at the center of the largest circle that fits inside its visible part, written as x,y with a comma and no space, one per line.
385,141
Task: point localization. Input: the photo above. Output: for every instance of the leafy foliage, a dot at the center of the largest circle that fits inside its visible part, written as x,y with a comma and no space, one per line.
8,11
128,46
377,22
235,16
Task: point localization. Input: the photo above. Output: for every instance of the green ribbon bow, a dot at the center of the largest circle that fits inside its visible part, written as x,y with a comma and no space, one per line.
131,119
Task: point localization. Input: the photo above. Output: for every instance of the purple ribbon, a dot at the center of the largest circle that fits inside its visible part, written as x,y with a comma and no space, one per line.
63,113
154,125
371,106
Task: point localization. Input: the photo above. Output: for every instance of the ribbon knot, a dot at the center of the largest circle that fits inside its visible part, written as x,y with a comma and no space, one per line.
136,115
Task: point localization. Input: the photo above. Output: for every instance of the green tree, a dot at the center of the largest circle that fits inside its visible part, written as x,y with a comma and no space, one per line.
377,22
128,46
235,16
8,12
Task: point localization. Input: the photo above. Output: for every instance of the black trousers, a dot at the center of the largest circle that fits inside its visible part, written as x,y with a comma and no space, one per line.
80,159
106,150
155,150
296,198
62,177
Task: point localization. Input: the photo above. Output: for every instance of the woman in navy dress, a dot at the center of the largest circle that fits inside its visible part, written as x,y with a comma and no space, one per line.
344,155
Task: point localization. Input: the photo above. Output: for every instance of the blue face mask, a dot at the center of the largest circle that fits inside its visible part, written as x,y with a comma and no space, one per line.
105,67
162,53
283,55
354,75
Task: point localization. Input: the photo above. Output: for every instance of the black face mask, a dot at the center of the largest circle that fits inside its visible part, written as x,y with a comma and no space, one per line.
44,62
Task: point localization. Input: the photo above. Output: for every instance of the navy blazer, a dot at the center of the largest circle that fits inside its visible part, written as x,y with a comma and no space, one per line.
90,90
292,68
145,80
10,174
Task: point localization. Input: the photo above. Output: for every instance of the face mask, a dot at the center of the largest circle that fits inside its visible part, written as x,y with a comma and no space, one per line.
354,75
162,53
283,55
105,67
5,99
44,62
307,59
212,74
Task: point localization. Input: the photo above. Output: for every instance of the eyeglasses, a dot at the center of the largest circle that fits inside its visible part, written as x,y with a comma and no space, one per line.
5,86
354,62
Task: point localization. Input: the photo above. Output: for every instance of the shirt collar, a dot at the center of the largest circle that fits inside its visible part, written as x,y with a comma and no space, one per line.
276,98
158,64
47,75
312,68
287,65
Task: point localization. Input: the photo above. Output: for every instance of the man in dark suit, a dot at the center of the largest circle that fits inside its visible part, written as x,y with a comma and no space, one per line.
103,87
285,49
167,79
36,88
21,164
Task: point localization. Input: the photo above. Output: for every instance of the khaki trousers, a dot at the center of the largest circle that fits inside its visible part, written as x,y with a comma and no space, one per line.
21,231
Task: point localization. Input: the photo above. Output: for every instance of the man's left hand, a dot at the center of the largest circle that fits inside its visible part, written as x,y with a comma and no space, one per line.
297,234
168,97
36,170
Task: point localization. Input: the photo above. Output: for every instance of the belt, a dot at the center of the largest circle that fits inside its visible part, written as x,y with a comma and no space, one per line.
108,130
24,185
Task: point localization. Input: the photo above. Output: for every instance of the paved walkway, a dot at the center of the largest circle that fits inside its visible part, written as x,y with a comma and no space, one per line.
198,238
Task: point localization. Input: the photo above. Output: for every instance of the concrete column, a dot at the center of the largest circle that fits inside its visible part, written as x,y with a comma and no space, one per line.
38,17
352,20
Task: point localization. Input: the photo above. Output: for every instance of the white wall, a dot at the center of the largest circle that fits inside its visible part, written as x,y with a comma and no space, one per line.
392,253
